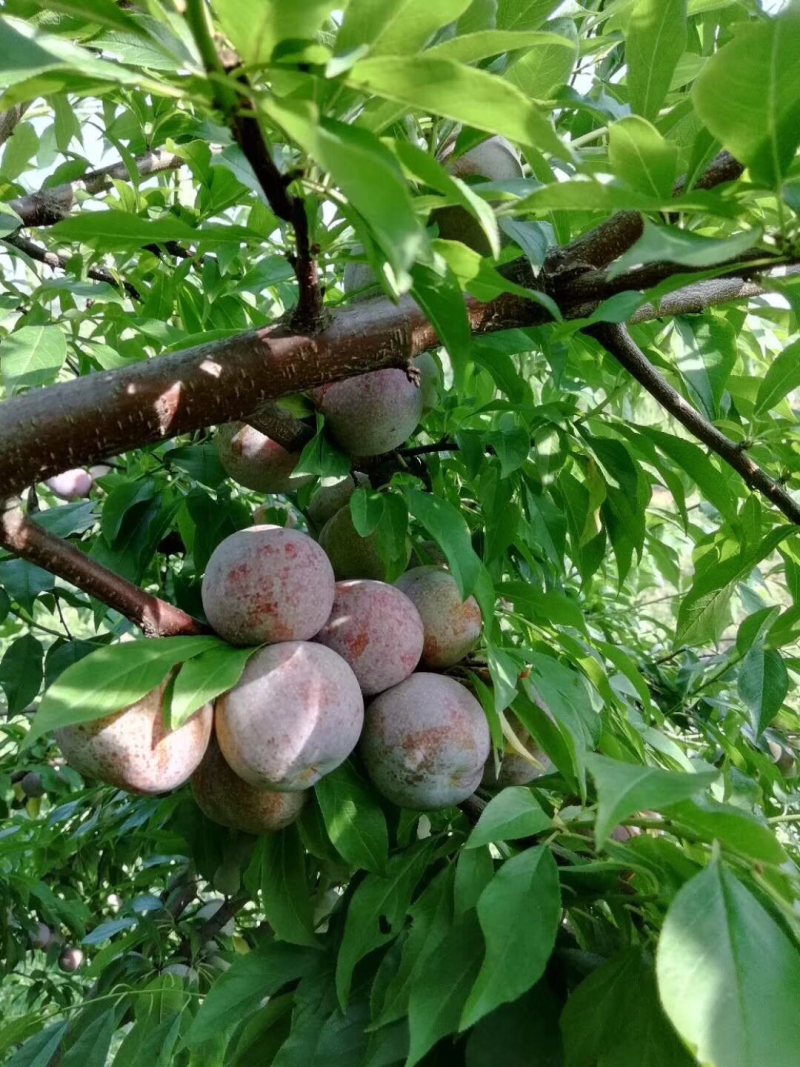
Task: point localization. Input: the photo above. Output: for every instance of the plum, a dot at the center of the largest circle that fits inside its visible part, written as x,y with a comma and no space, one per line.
514,768
256,461
331,498
70,959
425,742
351,555
295,714
227,799
377,630
267,583
452,626
133,749
70,485
372,413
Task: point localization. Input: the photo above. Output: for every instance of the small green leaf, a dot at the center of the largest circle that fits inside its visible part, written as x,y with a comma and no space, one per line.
203,678
284,887
447,527
782,377
519,913
735,828
366,510
660,243
454,91
32,356
21,672
720,948
112,678
512,814
474,871
625,788
654,43
641,157
763,684
353,818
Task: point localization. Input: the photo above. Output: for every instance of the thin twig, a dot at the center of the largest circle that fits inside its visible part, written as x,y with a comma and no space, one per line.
616,340
59,262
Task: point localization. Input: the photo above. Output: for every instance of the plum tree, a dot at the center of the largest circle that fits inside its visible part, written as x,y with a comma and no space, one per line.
452,626
377,630
333,496
134,749
352,555
295,714
229,800
70,485
425,742
371,413
255,461
267,583
494,160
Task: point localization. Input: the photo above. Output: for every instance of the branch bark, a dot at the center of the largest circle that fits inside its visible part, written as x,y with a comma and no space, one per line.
59,262
29,541
50,206
616,340
89,419
9,120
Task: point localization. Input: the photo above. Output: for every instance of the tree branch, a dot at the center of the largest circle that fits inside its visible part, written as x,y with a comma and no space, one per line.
49,206
80,422
29,541
10,119
616,340
280,426
59,262
602,245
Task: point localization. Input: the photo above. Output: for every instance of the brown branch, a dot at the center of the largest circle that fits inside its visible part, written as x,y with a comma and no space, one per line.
602,245
59,262
445,445
10,119
77,423
213,926
280,426
29,541
49,206
616,340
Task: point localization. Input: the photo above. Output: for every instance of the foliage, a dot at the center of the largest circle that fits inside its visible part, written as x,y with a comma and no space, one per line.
638,903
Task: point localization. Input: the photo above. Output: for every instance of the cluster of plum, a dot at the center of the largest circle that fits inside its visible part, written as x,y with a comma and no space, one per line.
330,631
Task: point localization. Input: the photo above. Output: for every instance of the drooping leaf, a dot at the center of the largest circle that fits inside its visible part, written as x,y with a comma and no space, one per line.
655,41
203,678
353,818
719,947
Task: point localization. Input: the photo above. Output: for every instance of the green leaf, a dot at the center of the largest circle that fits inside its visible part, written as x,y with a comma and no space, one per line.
759,128
353,818
550,606
546,67
366,510
438,996
519,912
698,466
21,673
614,1019
523,14
782,378
655,41
284,887
112,678
254,32
701,610
512,814
447,527
376,912
9,220
321,457
114,229
705,353
735,828
250,978
441,298
474,871
728,976
641,157
38,1051
763,684
366,172
397,28
454,91
660,243
32,356
21,146
626,788
24,581
203,678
